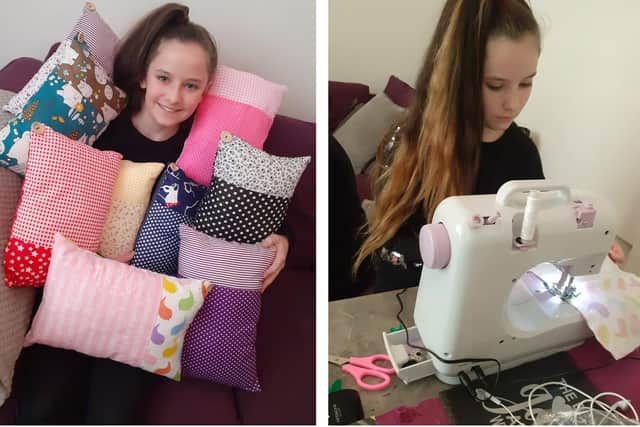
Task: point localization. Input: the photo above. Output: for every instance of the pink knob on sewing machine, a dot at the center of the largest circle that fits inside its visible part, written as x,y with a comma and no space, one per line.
435,247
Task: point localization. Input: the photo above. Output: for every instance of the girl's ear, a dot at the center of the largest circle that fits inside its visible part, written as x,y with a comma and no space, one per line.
143,84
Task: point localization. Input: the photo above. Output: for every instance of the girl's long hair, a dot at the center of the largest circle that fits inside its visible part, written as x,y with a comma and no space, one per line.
439,149
140,45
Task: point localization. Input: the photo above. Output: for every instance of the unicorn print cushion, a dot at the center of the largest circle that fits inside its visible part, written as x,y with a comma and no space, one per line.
174,202
77,100
105,308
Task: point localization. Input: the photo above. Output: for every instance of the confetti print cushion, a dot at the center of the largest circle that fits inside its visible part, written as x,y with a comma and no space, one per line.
220,345
249,193
101,41
105,308
15,304
128,206
174,202
77,100
67,189
239,102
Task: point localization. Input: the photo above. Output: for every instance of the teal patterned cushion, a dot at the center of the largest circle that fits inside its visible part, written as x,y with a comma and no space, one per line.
77,100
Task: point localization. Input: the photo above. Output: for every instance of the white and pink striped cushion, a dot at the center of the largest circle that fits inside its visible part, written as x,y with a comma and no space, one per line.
238,102
105,308
67,189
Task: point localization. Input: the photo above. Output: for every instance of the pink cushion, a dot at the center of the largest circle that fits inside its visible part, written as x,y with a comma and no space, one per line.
67,189
105,308
239,102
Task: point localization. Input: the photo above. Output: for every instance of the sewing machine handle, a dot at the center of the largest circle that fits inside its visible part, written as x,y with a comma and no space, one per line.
512,193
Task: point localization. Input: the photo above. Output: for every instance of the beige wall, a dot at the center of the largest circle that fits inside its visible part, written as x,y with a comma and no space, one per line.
585,105
274,38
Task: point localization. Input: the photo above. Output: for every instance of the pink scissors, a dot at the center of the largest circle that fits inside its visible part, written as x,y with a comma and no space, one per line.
360,367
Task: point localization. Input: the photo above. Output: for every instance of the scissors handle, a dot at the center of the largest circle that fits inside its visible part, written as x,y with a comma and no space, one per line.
359,373
369,363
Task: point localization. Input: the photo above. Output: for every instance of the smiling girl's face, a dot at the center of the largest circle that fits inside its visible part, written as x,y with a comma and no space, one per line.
506,85
176,81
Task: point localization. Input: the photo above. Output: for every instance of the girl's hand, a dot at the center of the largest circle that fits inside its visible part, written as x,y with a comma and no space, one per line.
616,254
281,245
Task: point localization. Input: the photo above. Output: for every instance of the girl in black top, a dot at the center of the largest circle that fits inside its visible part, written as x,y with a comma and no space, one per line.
459,136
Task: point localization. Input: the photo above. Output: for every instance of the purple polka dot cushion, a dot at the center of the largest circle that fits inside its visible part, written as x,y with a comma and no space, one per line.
174,202
220,345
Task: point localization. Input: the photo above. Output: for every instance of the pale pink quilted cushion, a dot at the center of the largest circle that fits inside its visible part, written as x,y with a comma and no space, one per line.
238,102
106,308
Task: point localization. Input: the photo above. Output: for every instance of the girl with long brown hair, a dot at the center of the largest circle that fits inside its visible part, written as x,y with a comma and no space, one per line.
459,136
165,64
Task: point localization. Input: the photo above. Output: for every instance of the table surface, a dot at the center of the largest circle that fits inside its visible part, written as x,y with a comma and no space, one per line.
355,329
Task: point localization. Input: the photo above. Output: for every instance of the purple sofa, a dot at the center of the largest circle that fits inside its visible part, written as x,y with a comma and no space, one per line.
286,332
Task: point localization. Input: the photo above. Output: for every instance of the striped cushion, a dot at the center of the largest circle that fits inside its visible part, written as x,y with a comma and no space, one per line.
239,102
105,308
220,345
102,44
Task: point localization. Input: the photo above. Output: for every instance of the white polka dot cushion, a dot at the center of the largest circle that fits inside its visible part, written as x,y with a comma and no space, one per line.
249,193
174,202
15,304
101,41
220,345
129,203
106,308
67,189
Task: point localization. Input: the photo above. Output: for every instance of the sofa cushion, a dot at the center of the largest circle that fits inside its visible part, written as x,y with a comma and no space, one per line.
291,137
105,308
239,102
69,103
220,345
129,203
67,189
15,304
343,98
284,325
17,73
101,42
174,202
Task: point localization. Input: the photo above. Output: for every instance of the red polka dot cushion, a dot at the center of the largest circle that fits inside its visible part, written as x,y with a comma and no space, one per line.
220,345
67,189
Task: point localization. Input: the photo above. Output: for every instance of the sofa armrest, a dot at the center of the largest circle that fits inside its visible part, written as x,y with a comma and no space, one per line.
18,72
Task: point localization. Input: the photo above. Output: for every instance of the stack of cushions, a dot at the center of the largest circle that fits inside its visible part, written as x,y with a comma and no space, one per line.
239,102
362,132
77,99
246,201
67,189
174,202
128,206
105,308
15,304
101,41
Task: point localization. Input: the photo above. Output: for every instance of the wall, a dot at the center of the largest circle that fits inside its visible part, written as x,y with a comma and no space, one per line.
275,38
585,105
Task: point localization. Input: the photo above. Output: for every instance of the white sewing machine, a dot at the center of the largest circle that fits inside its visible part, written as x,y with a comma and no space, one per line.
496,270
